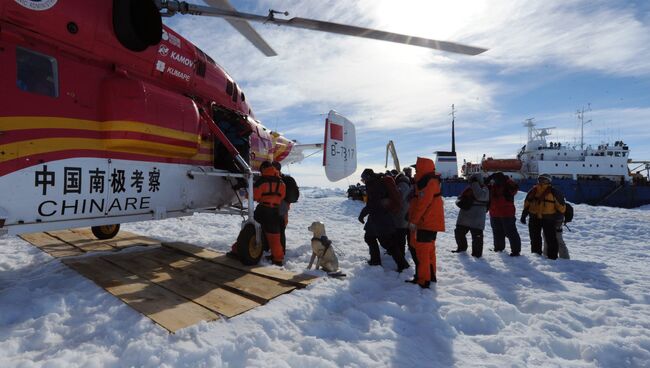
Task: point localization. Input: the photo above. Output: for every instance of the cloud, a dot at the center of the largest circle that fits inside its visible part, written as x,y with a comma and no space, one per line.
404,93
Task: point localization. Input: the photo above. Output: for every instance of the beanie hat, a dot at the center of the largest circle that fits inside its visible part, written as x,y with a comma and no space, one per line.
543,177
367,173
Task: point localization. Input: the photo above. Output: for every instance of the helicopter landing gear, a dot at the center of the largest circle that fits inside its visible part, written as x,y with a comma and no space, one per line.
249,249
105,231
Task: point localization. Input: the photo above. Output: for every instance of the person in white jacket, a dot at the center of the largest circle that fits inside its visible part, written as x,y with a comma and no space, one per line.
473,203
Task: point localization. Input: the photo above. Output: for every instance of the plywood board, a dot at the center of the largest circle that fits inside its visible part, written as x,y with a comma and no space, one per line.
81,241
298,280
259,288
52,246
164,307
210,295
123,239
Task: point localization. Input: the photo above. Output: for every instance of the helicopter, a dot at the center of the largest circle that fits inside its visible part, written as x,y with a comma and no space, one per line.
108,116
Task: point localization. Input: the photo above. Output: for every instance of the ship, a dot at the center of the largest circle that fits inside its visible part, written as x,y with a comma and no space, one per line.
597,175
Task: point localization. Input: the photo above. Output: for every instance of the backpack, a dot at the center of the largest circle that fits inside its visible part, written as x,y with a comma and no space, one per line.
568,213
292,190
393,195
465,200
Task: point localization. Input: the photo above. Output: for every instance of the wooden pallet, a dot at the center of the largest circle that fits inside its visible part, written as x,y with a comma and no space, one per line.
176,285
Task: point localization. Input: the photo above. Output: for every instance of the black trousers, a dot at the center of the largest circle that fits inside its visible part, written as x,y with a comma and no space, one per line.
387,242
502,228
535,228
477,239
400,238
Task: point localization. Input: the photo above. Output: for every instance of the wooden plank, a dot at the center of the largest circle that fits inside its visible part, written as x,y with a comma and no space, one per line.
167,309
256,287
205,293
52,246
299,280
81,241
123,239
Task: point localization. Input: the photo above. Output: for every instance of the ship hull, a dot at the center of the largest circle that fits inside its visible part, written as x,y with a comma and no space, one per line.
593,192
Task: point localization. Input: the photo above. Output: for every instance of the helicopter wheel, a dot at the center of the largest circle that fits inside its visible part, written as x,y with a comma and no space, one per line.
106,231
248,250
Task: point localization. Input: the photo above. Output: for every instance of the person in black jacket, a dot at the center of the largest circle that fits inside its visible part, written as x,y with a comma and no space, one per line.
380,226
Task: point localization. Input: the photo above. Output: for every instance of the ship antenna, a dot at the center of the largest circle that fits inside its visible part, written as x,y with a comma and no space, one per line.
531,126
581,117
453,129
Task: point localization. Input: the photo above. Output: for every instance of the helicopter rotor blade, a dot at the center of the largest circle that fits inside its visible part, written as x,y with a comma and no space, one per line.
172,7
344,29
244,28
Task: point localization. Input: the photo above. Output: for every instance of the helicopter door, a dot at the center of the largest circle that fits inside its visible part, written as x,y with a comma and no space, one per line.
235,127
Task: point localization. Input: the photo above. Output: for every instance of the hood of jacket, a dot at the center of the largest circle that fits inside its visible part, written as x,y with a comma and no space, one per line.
424,166
270,171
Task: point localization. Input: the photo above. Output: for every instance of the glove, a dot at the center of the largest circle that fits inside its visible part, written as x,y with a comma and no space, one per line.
524,214
412,227
361,219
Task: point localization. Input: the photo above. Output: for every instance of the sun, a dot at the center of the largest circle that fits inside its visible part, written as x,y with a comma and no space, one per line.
428,18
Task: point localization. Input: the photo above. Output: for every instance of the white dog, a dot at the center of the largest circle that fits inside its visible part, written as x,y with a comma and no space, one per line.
322,249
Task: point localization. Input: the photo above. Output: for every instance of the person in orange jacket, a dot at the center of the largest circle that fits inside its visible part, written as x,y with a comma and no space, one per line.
268,192
426,218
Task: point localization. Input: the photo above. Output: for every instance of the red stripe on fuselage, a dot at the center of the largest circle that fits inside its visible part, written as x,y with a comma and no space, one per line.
10,166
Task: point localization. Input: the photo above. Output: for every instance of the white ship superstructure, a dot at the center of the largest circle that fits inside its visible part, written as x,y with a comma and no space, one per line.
604,161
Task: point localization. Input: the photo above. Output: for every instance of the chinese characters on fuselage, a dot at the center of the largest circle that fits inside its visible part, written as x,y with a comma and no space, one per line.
80,181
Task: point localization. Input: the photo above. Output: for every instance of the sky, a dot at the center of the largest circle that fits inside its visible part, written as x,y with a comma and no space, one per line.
546,60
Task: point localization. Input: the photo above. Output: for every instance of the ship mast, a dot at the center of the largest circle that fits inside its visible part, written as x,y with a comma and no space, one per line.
453,129
530,125
581,117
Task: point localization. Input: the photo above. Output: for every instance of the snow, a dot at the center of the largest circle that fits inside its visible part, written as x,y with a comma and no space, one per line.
496,311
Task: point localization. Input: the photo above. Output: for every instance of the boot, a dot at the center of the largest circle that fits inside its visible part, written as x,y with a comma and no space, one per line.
276,247
233,251
374,262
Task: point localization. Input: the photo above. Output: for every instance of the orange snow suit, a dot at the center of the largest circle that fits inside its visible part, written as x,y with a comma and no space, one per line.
426,212
269,191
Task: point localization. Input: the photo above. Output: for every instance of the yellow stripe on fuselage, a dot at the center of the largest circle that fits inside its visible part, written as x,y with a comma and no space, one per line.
38,122
41,146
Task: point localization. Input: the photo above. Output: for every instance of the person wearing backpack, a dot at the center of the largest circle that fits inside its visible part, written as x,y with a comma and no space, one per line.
383,203
404,188
563,251
473,203
291,196
544,204
502,213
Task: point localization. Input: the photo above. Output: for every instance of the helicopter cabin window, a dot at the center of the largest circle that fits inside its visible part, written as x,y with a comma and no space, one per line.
229,88
36,73
236,92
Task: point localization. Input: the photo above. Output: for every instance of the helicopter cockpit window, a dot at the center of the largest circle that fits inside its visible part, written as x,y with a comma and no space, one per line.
36,73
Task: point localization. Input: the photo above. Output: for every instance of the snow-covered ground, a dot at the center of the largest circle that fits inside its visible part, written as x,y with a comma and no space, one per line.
592,310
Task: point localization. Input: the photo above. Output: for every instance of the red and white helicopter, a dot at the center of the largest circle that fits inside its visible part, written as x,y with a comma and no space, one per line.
108,116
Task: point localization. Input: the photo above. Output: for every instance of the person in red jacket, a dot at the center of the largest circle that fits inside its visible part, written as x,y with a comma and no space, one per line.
502,213
426,218
268,192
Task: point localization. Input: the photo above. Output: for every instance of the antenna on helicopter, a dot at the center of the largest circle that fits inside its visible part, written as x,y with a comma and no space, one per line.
239,20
